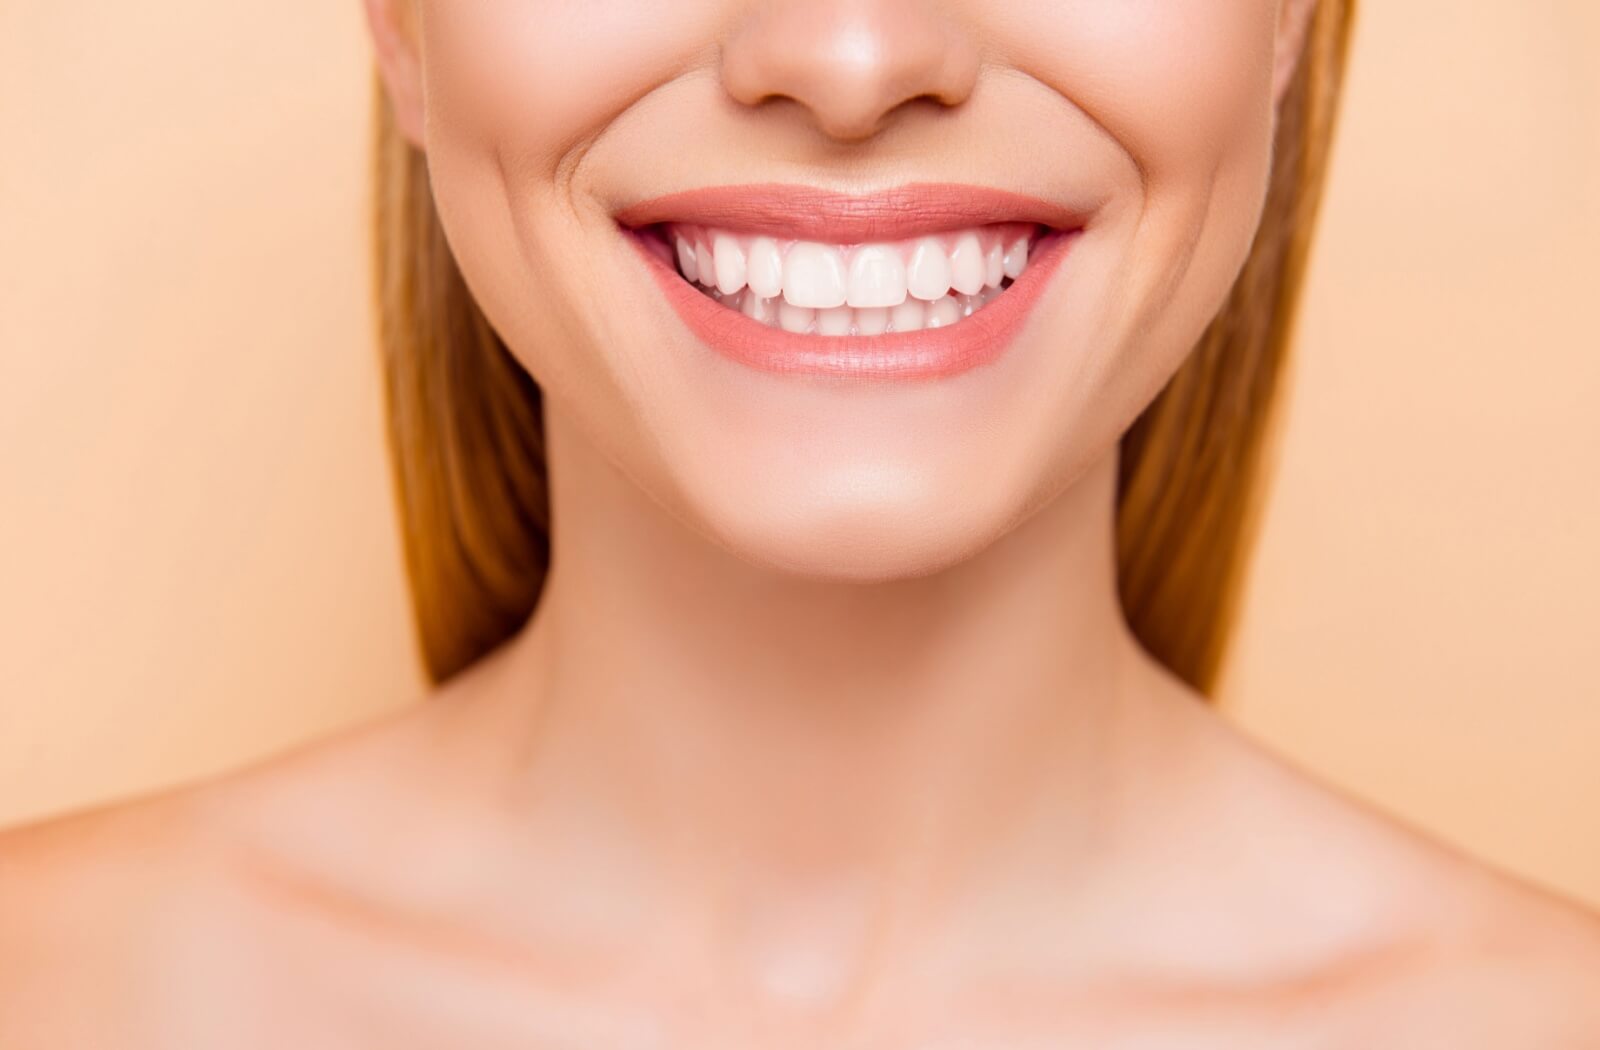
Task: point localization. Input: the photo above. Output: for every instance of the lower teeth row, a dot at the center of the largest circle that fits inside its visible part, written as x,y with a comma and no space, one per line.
912,315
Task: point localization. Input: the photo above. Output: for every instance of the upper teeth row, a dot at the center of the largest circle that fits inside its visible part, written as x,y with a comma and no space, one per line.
824,276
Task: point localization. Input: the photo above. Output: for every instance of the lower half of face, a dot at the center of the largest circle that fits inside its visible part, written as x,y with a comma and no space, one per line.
851,288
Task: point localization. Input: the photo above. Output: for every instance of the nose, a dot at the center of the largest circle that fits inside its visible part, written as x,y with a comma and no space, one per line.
848,63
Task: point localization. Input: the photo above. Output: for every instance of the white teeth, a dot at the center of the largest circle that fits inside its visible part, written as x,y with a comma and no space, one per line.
943,313
813,275
1016,259
707,261
967,265
994,268
808,287
877,277
928,272
907,317
705,264
686,260
764,268
836,321
872,320
729,263
792,318
757,308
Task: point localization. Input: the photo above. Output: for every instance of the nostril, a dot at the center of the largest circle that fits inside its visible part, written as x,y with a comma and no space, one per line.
849,112
849,66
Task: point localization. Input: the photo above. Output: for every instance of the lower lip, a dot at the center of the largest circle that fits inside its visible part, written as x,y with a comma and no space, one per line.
929,354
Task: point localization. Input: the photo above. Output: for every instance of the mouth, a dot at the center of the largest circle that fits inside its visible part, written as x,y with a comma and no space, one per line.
919,282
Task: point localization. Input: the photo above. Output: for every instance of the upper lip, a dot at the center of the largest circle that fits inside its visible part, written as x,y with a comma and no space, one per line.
810,213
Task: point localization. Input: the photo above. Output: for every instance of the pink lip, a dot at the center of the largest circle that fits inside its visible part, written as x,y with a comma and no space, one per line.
808,213
804,212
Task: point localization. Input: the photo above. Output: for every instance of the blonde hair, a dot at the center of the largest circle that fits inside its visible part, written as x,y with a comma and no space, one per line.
466,439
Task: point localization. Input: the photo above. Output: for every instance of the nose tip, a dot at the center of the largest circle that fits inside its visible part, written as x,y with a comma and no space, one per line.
848,64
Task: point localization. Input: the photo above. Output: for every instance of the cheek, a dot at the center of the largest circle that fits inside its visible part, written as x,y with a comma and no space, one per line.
539,78
515,92
1184,89
1176,82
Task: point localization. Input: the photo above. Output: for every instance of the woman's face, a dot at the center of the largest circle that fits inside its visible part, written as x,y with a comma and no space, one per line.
1129,142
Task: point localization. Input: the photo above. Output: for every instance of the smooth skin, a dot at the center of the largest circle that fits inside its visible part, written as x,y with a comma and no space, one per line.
828,730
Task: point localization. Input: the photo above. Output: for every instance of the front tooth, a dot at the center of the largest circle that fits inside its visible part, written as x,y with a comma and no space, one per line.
877,277
994,267
729,263
873,320
1016,259
813,276
928,273
764,268
966,264
706,263
943,313
794,318
686,260
836,321
907,317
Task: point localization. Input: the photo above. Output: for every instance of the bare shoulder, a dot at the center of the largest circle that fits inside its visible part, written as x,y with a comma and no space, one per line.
1420,943
1511,960
114,919
327,791
174,908
93,909
1505,965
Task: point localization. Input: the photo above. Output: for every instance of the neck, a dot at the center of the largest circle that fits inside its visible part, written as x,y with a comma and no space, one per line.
754,729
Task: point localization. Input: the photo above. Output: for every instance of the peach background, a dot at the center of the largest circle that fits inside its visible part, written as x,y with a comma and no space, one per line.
198,560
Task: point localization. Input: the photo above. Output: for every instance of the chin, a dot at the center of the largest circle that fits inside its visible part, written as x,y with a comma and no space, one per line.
858,521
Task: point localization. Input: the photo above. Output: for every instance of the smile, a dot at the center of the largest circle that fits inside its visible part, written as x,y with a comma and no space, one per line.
920,282
841,290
